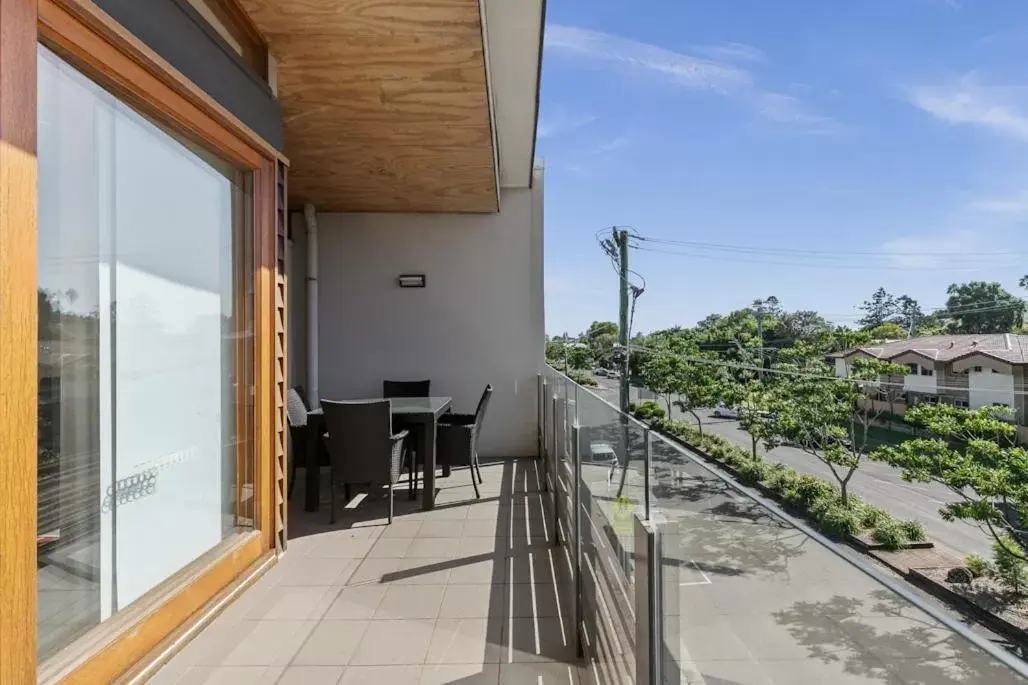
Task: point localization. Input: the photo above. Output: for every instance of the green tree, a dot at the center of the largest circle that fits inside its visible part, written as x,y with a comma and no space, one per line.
878,310
601,337
982,307
908,313
887,331
974,453
664,374
702,385
829,418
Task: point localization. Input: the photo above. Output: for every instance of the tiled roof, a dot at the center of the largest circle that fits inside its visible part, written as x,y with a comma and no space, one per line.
1006,346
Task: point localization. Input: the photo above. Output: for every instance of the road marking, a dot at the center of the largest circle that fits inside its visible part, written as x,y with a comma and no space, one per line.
706,579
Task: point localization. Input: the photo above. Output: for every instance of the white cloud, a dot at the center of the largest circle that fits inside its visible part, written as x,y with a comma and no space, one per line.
1010,206
1000,109
690,72
612,145
561,121
732,52
930,251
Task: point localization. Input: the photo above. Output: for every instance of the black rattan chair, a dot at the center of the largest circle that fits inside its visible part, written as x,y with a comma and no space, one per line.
406,388
362,446
457,439
296,415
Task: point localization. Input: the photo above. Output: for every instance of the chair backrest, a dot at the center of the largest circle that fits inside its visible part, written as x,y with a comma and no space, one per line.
480,410
406,388
359,439
296,408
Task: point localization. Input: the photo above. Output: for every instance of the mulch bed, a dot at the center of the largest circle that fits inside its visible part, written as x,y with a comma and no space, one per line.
983,598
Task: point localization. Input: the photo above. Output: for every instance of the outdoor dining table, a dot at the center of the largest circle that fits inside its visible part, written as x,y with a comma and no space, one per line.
421,413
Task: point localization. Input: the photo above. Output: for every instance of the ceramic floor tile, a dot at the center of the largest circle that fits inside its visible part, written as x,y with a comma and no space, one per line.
381,675
473,601
332,643
387,643
411,602
357,602
539,674
466,641
311,675
465,674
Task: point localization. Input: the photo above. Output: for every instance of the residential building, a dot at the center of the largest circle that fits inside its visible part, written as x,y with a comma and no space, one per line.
979,370
203,203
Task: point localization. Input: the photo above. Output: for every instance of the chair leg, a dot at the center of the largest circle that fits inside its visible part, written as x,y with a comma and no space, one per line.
474,483
390,503
332,500
478,469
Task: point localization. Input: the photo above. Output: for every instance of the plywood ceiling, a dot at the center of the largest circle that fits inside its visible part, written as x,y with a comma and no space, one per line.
385,103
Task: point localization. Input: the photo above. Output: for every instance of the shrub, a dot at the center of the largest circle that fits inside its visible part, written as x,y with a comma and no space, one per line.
978,566
809,489
889,534
913,530
583,379
1011,569
871,516
780,479
648,410
838,520
753,471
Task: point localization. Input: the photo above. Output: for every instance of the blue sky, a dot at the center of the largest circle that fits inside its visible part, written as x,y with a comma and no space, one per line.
890,135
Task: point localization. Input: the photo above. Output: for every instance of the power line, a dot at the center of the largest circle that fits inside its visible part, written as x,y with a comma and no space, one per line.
797,251
795,374
817,265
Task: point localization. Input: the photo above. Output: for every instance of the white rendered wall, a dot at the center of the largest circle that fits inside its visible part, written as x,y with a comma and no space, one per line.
479,320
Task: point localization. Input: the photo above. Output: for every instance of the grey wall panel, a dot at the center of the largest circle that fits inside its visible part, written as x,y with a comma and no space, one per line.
176,32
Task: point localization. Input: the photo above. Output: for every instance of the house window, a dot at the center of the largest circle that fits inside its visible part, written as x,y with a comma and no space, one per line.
977,369
145,353
913,369
925,371
1001,404
963,404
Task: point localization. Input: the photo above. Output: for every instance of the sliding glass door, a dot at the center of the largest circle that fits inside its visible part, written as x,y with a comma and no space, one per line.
145,353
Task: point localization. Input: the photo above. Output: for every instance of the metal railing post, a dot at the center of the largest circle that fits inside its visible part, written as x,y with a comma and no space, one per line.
560,404
553,453
576,535
543,408
539,414
647,453
648,603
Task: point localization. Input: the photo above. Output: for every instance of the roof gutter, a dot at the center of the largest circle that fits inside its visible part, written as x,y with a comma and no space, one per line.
493,132
538,89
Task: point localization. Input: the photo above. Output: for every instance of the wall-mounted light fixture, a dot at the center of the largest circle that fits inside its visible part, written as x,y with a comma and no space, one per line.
411,280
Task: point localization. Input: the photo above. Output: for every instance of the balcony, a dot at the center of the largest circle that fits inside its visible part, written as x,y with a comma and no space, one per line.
616,557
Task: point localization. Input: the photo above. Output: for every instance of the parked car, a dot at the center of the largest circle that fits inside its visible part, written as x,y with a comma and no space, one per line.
724,411
614,374
601,372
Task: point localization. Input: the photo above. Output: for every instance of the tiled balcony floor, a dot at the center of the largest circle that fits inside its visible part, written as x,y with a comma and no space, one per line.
468,593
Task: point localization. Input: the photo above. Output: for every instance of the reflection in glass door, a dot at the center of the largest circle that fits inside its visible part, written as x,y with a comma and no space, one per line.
144,360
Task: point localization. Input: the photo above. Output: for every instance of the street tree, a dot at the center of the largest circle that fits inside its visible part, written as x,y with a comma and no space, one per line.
830,418
702,385
664,373
975,454
878,310
983,307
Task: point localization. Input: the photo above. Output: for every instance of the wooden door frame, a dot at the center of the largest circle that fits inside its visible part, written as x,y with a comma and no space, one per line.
104,50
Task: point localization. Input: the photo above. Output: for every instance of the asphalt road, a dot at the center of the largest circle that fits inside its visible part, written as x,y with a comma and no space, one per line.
878,484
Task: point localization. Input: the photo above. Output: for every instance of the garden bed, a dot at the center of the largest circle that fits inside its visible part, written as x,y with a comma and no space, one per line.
983,598
866,543
818,501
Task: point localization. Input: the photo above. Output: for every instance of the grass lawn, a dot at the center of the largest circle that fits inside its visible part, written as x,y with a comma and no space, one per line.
878,436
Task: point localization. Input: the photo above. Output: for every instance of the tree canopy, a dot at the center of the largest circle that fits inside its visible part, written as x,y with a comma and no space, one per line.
982,307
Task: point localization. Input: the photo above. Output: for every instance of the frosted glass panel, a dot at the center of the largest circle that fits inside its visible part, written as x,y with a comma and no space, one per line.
145,380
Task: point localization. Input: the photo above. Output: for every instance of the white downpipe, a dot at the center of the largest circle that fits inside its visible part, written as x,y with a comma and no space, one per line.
311,219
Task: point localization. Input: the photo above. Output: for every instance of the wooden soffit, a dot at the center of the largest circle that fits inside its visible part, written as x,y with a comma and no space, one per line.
385,103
